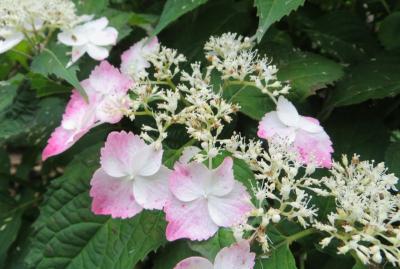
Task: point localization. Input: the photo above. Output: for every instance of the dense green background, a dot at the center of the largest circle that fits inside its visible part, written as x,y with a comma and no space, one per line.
344,69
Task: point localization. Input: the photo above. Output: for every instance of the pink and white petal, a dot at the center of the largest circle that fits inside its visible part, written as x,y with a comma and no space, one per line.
113,196
72,38
152,192
287,112
237,256
122,154
223,180
230,209
106,79
270,126
188,220
59,141
189,182
77,52
152,160
188,154
105,37
110,109
314,148
96,52
9,41
310,125
194,263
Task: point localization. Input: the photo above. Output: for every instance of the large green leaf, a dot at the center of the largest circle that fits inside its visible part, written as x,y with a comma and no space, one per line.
281,258
69,235
342,35
252,101
392,158
54,62
374,79
173,9
389,31
8,91
308,72
270,11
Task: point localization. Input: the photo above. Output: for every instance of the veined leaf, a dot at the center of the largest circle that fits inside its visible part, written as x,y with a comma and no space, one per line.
281,258
69,235
270,11
173,9
48,62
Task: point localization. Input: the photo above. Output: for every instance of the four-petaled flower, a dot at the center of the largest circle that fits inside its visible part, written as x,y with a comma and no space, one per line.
106,89
204,200
237,256
308,137
90,37
131,177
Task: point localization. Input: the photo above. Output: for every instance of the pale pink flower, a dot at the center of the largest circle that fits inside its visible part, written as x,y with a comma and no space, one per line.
237,256
106,88
204,200
133,60
308,137
91,37
131,177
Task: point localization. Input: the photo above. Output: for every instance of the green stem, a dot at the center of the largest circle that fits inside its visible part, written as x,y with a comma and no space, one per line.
386,6
249,83
294,237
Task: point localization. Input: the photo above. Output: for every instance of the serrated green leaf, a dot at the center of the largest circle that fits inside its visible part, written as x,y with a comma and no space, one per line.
270,11
308,72
389,31
69,235
211,247
173,9
8,91
252,101
45,86
281,258
374,79
54,62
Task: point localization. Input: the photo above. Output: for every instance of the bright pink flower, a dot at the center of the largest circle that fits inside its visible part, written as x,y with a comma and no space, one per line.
130,178
134,62
309,138
237,256
106,89
204,200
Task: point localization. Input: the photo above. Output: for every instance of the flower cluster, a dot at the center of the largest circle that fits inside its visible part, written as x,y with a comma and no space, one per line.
198,197
367,214
36,21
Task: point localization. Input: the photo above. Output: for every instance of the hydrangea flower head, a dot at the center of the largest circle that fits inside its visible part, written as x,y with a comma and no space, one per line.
131,177
237,256
89,37
309,138
134,62
204,200
106,88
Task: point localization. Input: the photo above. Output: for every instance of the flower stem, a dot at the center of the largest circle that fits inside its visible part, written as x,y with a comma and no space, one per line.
294,237
252,84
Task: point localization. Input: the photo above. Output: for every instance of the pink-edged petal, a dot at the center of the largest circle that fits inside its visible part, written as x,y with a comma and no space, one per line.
113,196
59,141
237,256
270,126
9,40
194,263
188,154
230,209
96,52
314,148
126,154
287,113
107,79
310,125
105,37
152,192
189,182
188,220
222,181
111,108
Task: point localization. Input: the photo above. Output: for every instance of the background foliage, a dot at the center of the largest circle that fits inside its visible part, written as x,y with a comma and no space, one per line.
342,58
